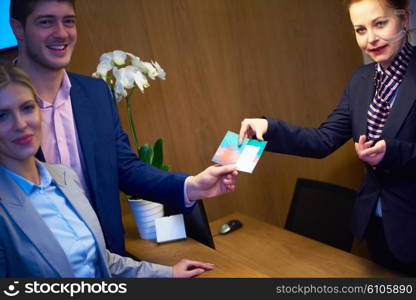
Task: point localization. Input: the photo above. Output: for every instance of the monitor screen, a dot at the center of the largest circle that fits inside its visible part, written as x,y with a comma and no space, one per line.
7,38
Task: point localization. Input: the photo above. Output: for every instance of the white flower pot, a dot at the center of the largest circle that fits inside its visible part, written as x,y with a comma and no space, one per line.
145,213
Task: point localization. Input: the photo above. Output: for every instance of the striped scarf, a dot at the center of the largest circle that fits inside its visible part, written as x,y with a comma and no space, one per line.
386,85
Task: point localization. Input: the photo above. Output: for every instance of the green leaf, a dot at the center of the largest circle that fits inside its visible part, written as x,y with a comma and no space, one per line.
146,153
165,167
158,153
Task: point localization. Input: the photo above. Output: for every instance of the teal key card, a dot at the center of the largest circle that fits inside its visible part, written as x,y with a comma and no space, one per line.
245,156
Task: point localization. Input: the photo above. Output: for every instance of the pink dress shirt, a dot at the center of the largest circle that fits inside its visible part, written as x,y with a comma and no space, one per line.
60,143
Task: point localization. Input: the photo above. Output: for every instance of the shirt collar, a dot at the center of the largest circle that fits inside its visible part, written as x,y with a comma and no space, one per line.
63,93
66,83
28,186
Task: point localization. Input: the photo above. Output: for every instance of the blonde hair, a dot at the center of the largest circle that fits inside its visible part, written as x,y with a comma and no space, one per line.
12,74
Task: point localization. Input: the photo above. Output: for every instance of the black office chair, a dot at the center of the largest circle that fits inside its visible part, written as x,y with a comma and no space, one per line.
322,211
196,224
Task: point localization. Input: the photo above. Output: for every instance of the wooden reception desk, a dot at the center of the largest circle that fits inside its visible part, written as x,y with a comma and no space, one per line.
257,249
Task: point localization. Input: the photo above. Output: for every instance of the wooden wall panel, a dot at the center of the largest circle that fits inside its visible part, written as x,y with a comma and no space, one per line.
227,60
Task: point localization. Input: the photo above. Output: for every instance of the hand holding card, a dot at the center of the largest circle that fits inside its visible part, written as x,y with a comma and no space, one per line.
245,156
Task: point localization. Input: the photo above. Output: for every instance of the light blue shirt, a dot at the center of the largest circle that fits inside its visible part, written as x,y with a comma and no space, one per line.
71,232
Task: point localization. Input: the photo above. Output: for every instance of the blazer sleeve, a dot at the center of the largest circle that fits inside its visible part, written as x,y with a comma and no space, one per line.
120,266
139,179
400,157
318,142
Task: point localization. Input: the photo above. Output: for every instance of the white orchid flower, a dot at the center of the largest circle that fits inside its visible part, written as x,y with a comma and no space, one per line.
107,56
133,73
125,76
149,70
135,61
161,73
141,80
119,57
103,68
119,91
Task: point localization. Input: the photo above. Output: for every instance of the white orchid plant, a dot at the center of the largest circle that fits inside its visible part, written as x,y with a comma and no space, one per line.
124,72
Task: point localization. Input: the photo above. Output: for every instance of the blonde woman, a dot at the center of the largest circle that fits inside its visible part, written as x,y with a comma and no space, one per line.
47,226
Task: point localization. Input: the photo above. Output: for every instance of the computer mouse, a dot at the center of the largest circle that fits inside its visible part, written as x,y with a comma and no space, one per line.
230,226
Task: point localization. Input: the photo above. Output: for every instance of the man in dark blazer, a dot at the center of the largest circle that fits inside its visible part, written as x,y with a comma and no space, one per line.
89,131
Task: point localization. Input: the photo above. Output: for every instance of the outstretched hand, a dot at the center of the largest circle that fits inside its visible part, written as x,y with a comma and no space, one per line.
369,153
213,181
253,127
188,268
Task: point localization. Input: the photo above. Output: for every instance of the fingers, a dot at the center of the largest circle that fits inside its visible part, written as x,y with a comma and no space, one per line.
188,268
372,151
231,177
228,181
368,144
375,154
379,146
198,264
357,148
228,188
243,131
362,145
252,127
259,136
362,139
209,183
222,170
194,272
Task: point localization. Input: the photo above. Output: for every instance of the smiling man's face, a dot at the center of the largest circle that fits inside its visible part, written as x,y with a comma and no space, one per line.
50,35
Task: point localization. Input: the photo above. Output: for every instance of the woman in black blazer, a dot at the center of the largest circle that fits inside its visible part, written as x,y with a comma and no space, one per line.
378,111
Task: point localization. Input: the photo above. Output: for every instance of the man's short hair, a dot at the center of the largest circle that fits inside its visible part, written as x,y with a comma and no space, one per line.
21,9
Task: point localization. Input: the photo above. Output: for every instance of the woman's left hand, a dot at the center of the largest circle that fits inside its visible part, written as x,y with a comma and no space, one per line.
368,153
188,268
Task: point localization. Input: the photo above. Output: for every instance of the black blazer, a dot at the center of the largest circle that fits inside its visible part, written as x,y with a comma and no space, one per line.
393,180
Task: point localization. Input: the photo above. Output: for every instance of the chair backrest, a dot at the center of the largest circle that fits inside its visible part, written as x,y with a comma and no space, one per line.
322,211
196,224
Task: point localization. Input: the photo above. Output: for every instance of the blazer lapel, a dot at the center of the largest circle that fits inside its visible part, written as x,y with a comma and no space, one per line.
83,110
404,101
81,205
32,225
365,96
